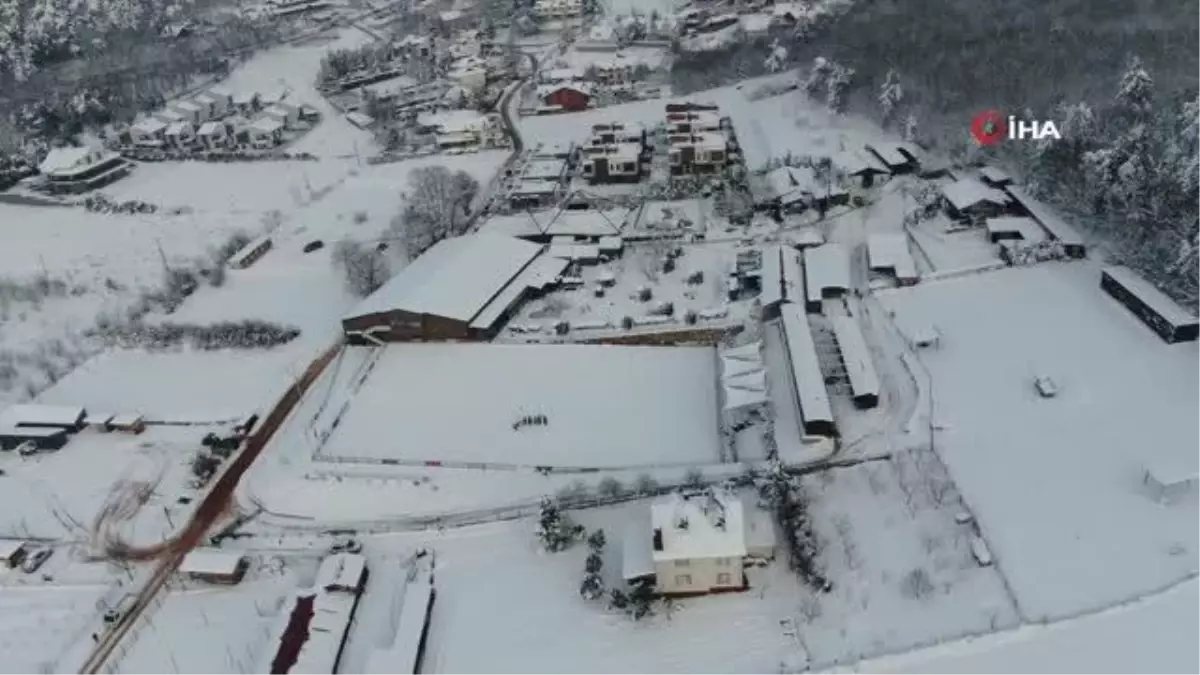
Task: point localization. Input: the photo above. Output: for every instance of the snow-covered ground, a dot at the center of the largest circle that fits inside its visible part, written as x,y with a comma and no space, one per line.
207,628
605,406
1057,483
38,623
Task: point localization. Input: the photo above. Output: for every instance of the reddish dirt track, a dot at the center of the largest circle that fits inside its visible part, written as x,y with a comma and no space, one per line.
216,502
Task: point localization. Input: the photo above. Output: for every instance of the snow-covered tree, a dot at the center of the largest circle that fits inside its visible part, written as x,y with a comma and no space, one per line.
556,531
818,76
364,267
436,207
777,58
839,83
909,133
1135,95
890,95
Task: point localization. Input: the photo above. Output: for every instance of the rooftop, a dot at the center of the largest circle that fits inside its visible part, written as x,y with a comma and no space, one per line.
210,561
708,525
968,192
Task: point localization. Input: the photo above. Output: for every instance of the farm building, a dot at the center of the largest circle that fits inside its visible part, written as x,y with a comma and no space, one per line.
252,251
342,573
73,170
889,253
993,177
571,97
12,551
772,279
1059,230
455,290
697,543
542,226
863,167
214,566
864,383
1008,228
807,378
33,415
43,438
969,198
407,649
894,156
1172,322
315,635
826,274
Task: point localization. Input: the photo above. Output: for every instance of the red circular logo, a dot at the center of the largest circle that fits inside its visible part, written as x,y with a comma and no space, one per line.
989,127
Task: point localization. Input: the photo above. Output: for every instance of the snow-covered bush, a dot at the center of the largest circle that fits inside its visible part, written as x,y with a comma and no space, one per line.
593,585
556,531
248,334
364,266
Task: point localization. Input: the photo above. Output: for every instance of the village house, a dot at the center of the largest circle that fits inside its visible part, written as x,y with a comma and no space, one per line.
73,170
214,566
612,163
462,128
859,166
181,135
696,544
571,97
214,135
894,156
148,132
969,198
561,75
209,108
222,101
191,111
265,133
415,45
168,116
617,132
245,103
699,153
557,9
285,113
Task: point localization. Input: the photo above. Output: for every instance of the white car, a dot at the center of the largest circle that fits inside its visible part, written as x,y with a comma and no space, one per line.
1045,387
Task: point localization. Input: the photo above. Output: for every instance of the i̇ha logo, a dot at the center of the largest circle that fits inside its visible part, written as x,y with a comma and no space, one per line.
991,127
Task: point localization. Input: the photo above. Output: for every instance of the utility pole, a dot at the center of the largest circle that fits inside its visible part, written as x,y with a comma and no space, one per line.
162,255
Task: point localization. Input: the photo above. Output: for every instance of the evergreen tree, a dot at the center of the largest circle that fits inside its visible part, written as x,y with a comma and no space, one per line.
838,84
1135,95
909,132
890,95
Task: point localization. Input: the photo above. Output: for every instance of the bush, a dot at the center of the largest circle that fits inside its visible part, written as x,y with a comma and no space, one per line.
690,317
248,334
694,478
610,488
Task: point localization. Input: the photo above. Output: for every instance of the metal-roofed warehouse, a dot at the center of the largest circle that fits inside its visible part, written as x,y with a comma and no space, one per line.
826,273
864,382
806,373
440,295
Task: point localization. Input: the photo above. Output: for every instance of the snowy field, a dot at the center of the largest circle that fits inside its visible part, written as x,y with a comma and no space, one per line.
39,623
1056,483
605,406
881,525
57,495
207,629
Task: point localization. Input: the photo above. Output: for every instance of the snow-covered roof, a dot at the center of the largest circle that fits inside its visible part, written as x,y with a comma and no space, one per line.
1149,294
545,90
793,276
186,106
737,398
611,242
401,655
1057,227
244,97
211,129
542,272
826,266
995,175
889,153
266,125
455,279
149,126
70,160
251,249
623,152
41,415
544,168
857,358
890,251
167,116
210,562
772,276
1027,228
535,186
637,550
583,223
126,419
10,547
751,352
341,571
574,251
709,525
30,432
330,621
760,526
752,381
852,162
755,23
806,367
449,121
179,129
553,149
967,192
561,75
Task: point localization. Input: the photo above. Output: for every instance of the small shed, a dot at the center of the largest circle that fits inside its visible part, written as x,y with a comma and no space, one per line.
993,177
29,415
130,423
214,566
98,421
1170,481
12,551
342,573
611,245
251,252
45,438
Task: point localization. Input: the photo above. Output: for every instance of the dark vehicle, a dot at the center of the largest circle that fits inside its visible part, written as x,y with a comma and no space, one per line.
314,245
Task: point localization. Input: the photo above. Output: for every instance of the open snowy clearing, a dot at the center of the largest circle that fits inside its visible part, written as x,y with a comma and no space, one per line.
605,406
1152,635
207,629
59,494
901,566
1057,483
38,624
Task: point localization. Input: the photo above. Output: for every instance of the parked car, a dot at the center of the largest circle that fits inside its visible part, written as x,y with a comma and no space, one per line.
346,546
27,449
36,559
1046,388
314,245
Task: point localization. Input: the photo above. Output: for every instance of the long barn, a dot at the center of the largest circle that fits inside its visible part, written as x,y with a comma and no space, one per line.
806,373
1152,306
461,289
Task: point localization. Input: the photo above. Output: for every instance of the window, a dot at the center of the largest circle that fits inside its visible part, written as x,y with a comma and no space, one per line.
722,562
717,156
724,579
629,167
683,563
684,579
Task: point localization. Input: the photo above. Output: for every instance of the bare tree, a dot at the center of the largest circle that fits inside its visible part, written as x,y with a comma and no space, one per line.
364,267
436,206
